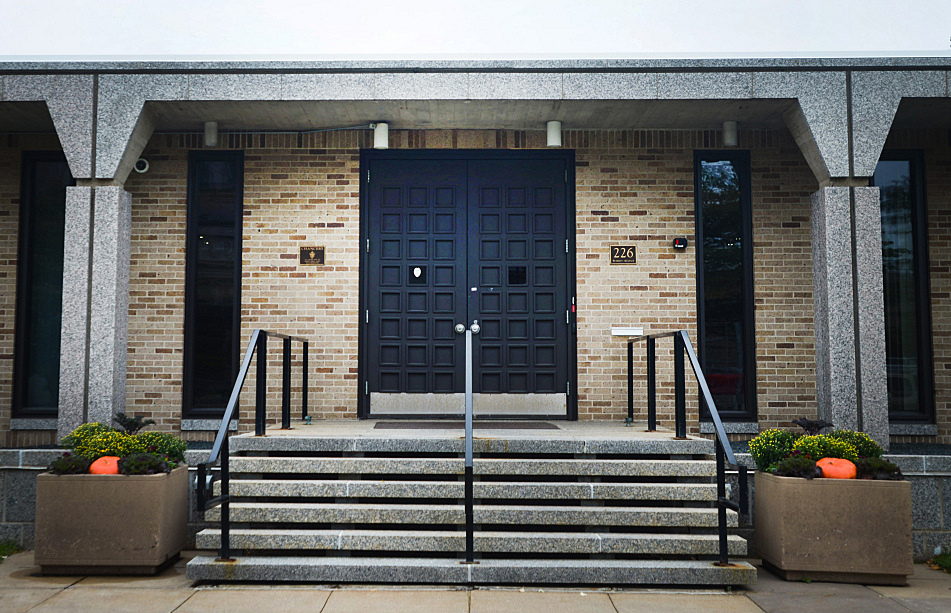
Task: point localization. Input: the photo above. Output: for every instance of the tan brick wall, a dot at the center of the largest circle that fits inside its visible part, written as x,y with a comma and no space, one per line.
936,148
11,157
632,187
639,188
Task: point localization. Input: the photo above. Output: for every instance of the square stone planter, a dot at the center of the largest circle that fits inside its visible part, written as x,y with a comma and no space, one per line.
110,524
844,530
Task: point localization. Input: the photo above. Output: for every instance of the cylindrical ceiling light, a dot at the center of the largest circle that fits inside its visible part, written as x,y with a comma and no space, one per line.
554,134
211,133
729,134
381,136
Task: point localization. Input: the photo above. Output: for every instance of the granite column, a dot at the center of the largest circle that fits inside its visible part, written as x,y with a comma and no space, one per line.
95,305
849,310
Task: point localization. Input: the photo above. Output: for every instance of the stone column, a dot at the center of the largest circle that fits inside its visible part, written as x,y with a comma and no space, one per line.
95,305
834,316
73,355
109,313
870,311
849,310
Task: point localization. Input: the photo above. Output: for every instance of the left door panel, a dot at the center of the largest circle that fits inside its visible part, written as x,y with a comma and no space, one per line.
416,285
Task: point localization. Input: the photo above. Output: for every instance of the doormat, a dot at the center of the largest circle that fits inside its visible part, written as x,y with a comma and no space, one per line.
459,425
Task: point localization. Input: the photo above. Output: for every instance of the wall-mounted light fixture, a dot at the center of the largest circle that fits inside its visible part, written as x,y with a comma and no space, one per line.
211,133
729,134
554,134
381,135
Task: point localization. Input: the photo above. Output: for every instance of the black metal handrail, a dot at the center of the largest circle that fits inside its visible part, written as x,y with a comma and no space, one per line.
724,451
206,474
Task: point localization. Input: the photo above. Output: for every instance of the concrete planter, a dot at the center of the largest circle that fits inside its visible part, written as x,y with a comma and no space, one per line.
110,524
845,530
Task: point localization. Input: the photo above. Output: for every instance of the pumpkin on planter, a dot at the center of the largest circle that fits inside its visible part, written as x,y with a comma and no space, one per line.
106,465
836,468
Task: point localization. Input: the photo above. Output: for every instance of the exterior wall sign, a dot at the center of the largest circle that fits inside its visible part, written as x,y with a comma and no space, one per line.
623,254
311,256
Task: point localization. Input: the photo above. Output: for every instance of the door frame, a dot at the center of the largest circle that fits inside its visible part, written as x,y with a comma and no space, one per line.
367,156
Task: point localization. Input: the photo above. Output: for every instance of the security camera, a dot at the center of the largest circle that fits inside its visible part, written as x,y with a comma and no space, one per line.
141,165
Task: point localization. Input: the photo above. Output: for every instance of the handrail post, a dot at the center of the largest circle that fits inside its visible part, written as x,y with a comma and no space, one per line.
304,381
651,385
630,384
721,506
680,389
744,489
260,405
286,386
224,551
470,530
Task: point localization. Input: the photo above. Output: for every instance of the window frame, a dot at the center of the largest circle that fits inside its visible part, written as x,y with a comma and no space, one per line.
740,159
919,221
23,272
195,157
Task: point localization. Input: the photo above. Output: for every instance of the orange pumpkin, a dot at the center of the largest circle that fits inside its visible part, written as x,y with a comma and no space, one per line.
106,465
836,468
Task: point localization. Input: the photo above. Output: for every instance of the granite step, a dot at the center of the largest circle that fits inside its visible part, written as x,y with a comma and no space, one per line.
490,571
486,441
293,488
243,539
336,513
481,466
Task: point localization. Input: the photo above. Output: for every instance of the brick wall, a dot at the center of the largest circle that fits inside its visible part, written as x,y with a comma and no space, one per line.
632,187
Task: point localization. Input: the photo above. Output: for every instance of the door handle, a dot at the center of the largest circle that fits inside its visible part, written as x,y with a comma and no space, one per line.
460,328
475,327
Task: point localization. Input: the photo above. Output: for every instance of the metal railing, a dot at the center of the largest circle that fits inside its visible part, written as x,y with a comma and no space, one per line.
206,475
724,452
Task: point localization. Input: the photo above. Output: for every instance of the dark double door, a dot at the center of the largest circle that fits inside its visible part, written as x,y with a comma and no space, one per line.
453,239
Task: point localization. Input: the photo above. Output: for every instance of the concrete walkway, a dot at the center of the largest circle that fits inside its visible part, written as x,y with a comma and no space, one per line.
22,588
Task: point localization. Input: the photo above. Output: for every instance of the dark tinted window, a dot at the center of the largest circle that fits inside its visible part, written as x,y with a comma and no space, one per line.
40,295
724,254
214,276
907,326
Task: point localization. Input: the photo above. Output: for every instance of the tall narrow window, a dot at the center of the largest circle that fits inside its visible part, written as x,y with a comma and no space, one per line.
40,284
904,264
213,280
725,281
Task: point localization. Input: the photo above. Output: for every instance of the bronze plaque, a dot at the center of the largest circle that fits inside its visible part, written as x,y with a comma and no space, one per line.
623,254
311,256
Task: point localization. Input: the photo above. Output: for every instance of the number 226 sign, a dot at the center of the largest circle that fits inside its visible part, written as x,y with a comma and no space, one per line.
623,254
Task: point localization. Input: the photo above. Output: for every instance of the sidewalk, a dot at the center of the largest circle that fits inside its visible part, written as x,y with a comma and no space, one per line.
23,589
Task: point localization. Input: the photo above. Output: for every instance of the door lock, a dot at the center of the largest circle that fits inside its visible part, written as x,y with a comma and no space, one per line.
460,328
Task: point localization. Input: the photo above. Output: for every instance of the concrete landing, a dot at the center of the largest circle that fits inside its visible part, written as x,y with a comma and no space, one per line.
567,437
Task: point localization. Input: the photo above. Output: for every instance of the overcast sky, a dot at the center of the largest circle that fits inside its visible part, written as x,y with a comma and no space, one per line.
372,28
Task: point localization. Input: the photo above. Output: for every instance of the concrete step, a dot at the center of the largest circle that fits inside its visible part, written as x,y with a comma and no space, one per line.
444,570
248,488
336,513
481,466
610,441
454,541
